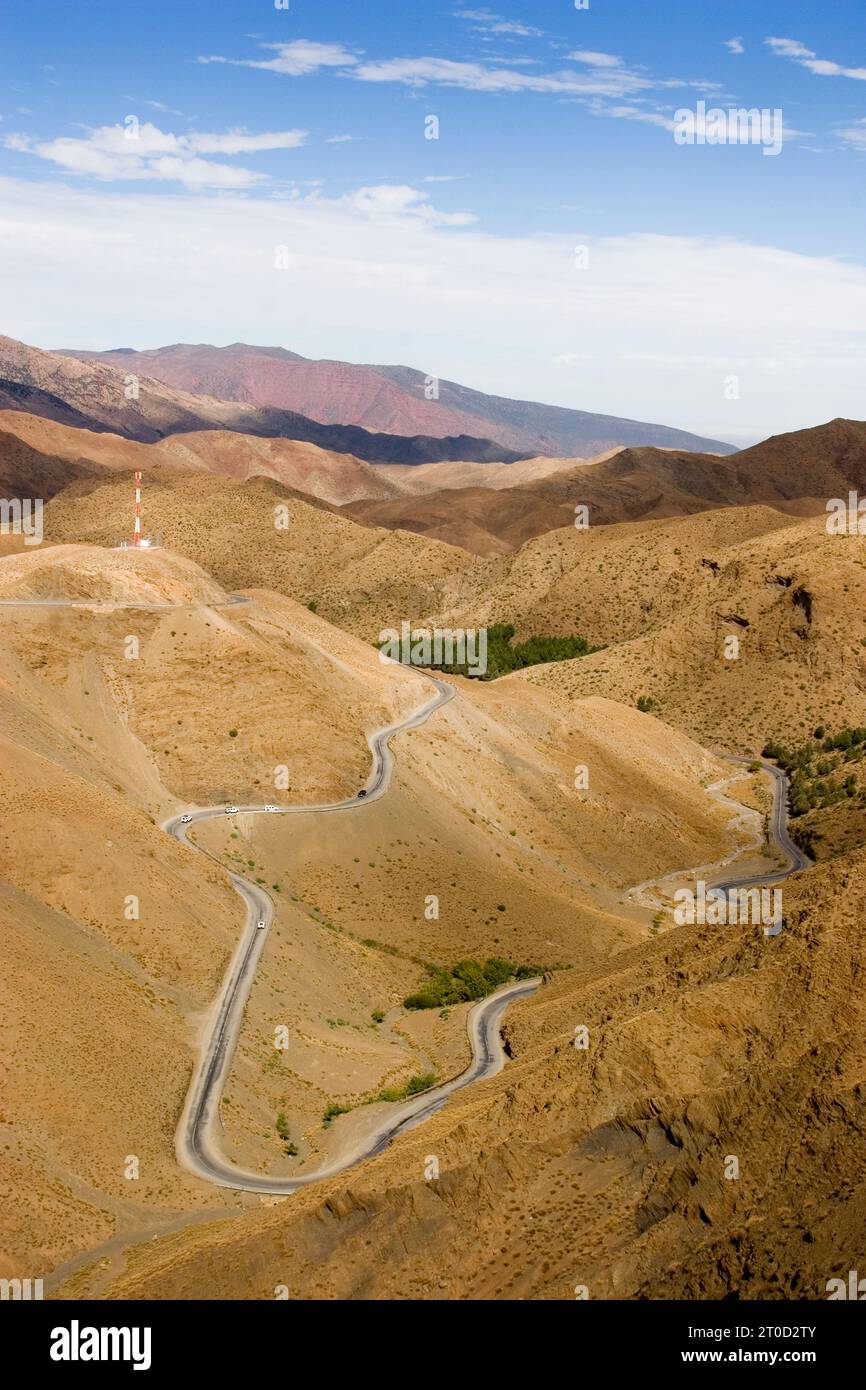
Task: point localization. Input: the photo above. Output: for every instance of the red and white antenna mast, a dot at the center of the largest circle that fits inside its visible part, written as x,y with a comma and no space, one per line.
136,530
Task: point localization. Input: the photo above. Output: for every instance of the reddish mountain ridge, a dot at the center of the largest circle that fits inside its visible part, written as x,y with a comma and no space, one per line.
128,402
390,399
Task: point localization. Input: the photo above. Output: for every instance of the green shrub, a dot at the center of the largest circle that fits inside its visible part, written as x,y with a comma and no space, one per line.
467,980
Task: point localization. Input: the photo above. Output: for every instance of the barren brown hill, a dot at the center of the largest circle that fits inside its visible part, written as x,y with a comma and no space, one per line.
99,744
798,472
261,534
430,477
793,597
29,471
609,583
393,399
139,407
662,597
333,477
609,1170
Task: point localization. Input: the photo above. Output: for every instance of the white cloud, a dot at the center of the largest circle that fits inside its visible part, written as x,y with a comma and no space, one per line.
596,74
237,142
822,67
140,150
380,275
162,108
595,60
300,58
735,45
854,135
485,22
478,77
341,139
389,203
635,113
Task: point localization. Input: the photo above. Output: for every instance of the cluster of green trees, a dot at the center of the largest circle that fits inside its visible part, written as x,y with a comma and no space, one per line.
467,980
818,770
504,656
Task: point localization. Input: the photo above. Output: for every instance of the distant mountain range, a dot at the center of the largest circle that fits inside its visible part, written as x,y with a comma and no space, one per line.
92,395
393,400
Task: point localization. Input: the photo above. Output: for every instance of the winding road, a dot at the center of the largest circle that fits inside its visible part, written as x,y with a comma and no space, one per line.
197,1139
777,830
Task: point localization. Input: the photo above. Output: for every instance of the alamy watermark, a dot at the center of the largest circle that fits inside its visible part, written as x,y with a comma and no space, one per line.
846,518
736,126
22,516
721,907
436,647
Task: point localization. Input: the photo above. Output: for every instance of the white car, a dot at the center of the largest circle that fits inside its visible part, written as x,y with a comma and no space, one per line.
261,926
272,808
185,820
231,810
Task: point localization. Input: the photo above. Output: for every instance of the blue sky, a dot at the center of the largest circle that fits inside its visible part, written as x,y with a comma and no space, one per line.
220,171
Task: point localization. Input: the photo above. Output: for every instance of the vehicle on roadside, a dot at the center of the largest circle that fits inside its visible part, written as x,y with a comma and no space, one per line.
185,820
363,792
261,926
272,808
231,810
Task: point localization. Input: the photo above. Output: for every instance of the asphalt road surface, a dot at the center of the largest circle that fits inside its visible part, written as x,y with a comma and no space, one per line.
778,831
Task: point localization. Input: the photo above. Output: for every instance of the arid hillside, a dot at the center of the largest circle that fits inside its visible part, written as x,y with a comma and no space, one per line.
156,689
37,453
260,534
762,638
738,624
796,472
706,1143
153,690
117,938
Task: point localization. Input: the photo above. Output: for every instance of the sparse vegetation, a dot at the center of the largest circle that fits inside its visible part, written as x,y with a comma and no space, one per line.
413,1087
467,980
282,1128
822,776
504,656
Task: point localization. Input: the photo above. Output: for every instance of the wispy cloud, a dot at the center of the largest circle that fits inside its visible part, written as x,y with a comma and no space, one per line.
481,77
140,150
822,67
735,45
593,74
300,58
594,59
162,108
390,203
486,23
853,135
